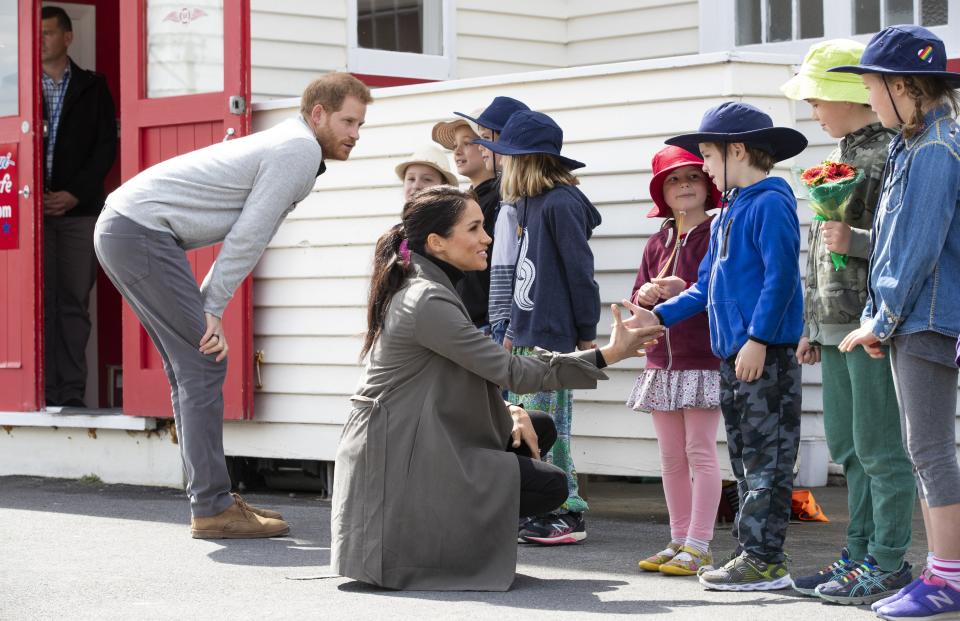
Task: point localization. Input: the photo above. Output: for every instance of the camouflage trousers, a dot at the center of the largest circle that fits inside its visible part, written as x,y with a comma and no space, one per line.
762,420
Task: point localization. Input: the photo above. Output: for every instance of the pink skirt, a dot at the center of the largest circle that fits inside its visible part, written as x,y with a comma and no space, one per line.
666,390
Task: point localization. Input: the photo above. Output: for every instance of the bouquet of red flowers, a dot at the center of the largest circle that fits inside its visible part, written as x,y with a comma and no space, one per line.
830,185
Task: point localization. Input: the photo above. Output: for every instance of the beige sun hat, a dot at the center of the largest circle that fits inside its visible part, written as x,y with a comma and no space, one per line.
432,156
444,131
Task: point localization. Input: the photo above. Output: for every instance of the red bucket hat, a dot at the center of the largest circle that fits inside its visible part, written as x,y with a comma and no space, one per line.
666,160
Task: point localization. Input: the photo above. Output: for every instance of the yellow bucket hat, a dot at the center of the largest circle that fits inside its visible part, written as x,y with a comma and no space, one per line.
813,81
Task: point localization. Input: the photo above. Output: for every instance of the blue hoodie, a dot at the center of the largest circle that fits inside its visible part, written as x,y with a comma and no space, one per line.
749,281
556,301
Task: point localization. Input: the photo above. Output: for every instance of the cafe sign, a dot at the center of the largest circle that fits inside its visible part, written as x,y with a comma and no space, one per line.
9,207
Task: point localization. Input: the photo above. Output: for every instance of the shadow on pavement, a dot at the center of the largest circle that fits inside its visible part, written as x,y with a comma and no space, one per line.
570,595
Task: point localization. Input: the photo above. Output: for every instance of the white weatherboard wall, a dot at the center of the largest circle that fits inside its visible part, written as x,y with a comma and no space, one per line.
310,286
293,42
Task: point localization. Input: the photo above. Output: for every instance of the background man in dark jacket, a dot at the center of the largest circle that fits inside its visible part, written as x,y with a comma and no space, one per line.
80,146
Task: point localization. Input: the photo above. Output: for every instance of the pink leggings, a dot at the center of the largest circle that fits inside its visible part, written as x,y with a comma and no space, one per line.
688,444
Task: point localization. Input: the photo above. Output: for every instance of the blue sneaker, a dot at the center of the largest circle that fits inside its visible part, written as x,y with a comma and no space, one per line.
866,584
931,599
831,573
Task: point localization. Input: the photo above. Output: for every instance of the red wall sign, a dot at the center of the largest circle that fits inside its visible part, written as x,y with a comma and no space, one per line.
9,198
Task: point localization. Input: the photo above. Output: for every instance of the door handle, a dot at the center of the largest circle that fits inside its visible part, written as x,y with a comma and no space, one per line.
230,132
25,192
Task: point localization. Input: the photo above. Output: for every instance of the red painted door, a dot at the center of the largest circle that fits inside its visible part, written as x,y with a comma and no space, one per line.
185,84
21,302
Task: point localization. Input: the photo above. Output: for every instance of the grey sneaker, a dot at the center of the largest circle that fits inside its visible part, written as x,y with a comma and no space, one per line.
745,573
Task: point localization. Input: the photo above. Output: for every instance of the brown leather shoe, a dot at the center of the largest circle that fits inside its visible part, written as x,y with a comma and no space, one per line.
267,513
237,522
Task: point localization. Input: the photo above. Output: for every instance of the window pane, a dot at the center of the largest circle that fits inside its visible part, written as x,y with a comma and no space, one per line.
933,12
184,47
409,28
748,22
811,19
779,20
899,12
9,44
866,16
399,25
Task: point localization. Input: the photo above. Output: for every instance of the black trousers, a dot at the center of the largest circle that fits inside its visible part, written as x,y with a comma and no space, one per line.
543,487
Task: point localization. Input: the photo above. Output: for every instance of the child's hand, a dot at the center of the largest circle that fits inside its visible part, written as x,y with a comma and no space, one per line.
749,365
641,318
670,287
836,237
863,336
647,295
807,353
585,345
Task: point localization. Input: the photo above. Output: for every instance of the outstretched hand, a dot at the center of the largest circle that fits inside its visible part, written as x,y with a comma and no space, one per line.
628,340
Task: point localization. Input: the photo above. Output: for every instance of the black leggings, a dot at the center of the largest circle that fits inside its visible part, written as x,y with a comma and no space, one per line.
543,487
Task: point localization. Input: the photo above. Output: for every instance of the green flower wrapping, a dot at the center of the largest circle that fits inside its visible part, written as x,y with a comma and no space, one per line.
830,186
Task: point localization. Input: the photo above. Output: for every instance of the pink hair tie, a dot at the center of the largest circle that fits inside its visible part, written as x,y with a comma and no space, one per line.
404,251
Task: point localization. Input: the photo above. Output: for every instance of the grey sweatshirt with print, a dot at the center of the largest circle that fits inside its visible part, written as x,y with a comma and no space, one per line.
236,192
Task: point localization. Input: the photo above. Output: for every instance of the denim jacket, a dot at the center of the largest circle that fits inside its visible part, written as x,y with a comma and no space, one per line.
915,255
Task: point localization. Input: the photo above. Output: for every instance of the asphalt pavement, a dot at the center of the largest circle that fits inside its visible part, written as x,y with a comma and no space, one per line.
72,550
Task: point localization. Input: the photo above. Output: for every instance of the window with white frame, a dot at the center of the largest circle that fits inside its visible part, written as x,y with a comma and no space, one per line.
404,38
772,21
874,15
791,26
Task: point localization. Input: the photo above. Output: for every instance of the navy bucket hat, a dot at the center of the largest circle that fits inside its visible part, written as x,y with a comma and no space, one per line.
734,121
528,132
496,115
904,50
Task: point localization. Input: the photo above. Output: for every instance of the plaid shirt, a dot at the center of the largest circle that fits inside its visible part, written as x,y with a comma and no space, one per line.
53,94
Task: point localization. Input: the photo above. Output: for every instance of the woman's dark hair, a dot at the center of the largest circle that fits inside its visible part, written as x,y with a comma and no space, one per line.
432,210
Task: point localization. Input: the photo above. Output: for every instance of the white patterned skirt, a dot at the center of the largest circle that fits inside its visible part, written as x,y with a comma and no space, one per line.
668,390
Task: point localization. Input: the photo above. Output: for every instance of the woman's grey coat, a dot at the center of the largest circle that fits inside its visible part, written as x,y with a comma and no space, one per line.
425,495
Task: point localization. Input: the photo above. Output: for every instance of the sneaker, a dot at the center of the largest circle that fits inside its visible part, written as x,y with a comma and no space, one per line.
866,584
523,524
880,603
831,573
931,598
688,562
653,563
746,573
556,529
237,522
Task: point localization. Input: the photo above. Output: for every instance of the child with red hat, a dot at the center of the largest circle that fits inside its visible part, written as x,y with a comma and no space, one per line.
680,386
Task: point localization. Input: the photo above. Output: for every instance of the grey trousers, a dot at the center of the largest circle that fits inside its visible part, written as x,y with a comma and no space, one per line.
153,275
69,272
925,377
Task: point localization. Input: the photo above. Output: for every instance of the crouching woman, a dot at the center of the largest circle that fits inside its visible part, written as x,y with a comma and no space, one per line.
433,468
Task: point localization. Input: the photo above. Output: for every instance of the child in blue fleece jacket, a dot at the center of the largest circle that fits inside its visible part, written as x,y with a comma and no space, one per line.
749,284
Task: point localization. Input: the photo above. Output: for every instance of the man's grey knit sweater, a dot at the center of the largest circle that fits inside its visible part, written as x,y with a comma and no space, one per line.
236,192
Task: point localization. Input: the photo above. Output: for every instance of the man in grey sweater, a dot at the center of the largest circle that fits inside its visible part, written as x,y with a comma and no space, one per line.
237,193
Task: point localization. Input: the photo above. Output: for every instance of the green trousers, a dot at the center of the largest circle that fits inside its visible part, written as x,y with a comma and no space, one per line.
862,423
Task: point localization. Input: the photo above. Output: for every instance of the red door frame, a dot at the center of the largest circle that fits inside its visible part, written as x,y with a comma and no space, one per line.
21,314
153,130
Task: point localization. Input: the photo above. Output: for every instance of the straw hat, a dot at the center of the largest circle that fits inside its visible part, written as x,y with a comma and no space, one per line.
432,156
815,82
443,132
